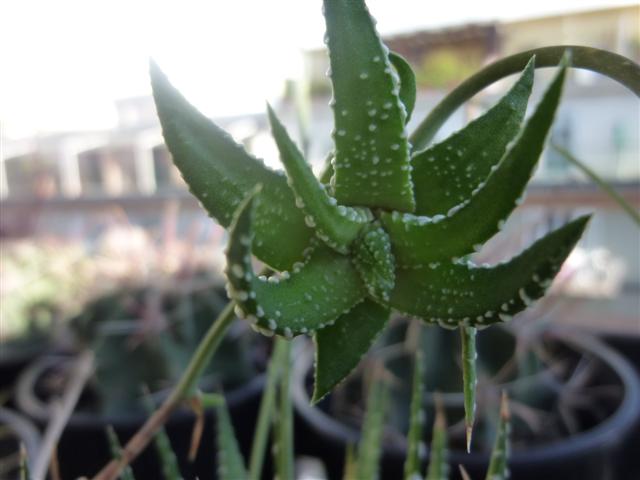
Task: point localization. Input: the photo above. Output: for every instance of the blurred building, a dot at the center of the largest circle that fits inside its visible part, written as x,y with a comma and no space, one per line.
49,182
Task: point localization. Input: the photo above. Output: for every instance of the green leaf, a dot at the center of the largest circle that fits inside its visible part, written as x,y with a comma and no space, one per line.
371,441
220,173
614,66
340,347
372,166
438,465
335,224
350,464
446,173
407,82
313,296
267,408
25,473
458,292
469,378
498,467
421,239
412,464
283,422
603,184
116,452
168,460
374,261
230,462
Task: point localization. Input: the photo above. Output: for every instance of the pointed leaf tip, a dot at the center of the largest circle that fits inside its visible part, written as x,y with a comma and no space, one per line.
423,239
334,224
447,173
220,173
469,379
340,346
455,293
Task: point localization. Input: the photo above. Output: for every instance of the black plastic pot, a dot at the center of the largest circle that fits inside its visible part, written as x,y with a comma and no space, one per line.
590,454
83,448
15,356
628,346
19,432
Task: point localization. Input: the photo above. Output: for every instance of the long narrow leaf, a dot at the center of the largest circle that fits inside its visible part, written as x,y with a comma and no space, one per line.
283,422
335,224
371,442
446,174
220,173
469,378
350,464
459,292
230,462
498,465
420,240
603,184
168,460
412,464
438,465
617,67
267,409
116,452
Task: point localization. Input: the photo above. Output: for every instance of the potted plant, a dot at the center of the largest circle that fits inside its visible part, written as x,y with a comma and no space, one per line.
142,337
573,398
391,223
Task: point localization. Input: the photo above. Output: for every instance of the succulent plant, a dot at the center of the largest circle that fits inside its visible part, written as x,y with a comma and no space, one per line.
394,226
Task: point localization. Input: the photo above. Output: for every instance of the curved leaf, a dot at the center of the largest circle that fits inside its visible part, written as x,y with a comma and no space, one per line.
452,293
335,224
447,173
614,66
372,166
220,173
420,240
313,296
340,346
407,82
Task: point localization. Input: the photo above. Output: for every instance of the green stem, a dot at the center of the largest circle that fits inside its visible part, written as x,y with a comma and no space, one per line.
188,382
635,216
617,67
267,405
183,390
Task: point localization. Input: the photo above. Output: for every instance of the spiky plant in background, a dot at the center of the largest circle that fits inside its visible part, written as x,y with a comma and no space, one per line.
394,226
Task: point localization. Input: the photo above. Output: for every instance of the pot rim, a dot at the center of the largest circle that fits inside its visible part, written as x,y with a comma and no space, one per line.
39,411
605,434
25,431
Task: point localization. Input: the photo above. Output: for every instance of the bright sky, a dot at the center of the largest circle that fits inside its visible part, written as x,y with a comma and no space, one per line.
64,62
